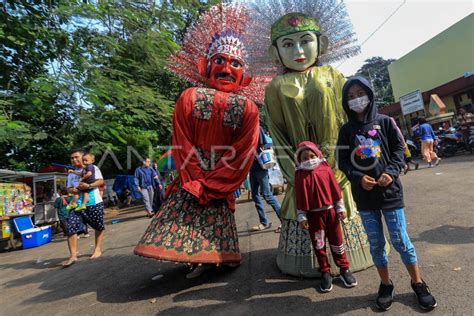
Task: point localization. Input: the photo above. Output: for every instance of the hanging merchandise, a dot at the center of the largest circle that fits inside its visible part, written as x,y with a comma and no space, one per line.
15,199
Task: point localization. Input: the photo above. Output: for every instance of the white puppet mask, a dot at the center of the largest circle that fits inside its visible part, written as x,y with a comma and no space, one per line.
298,51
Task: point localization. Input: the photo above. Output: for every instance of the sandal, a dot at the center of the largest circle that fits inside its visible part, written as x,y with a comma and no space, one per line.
198,271
278,230
261,227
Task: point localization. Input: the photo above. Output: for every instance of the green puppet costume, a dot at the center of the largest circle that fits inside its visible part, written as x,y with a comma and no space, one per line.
306,105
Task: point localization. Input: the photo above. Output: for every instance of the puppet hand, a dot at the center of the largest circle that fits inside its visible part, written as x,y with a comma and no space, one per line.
384,180
305,225
367,183
341,215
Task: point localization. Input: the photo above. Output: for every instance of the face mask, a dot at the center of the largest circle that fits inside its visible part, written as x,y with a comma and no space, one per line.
310,164
358,105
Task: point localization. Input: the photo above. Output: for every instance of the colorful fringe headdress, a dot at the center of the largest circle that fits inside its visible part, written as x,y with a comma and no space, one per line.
222,29
331,18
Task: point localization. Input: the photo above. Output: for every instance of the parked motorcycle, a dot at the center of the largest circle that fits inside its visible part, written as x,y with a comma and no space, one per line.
450,142
470,140
415,149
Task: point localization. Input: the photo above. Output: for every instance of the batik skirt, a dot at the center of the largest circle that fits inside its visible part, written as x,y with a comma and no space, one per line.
185,231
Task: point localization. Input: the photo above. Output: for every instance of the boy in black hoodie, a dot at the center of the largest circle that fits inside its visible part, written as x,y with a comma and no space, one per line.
370,153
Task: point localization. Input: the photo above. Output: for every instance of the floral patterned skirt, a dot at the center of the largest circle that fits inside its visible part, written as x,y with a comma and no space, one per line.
295,251
185,231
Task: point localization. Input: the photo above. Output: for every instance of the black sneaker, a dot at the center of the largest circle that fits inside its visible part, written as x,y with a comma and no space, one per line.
423,294
385,296
348,279
326,282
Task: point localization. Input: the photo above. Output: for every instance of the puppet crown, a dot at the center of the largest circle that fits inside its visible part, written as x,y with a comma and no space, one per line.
293,23
228,43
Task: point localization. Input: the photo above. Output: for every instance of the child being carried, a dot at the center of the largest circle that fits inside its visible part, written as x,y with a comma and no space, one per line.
87,176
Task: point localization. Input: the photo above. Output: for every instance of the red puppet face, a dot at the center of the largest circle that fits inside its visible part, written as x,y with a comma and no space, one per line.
225,73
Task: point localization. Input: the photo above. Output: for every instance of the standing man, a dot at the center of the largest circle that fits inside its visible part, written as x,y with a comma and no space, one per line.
260,181
146,180
93,215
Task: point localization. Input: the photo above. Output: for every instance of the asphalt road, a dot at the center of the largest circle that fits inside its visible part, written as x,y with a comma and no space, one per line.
440,216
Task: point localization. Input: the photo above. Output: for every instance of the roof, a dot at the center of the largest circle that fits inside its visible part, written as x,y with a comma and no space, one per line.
11,174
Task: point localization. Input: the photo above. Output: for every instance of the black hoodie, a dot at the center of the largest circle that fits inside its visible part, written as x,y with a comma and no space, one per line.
371,147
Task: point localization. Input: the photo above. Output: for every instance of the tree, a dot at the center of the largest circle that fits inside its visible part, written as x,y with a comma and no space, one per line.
35,108
375,69
88,73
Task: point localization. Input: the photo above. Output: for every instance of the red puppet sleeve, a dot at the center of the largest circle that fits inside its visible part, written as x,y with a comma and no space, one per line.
185,157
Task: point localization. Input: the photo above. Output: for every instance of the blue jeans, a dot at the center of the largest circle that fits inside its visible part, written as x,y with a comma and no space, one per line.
261,179
397,228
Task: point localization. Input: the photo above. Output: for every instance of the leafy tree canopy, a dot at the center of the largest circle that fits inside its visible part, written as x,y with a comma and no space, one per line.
375,69
88,73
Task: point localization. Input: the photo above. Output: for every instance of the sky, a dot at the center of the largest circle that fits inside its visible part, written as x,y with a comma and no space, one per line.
413,24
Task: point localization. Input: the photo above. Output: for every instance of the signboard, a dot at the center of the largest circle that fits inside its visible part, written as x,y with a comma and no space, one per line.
412,102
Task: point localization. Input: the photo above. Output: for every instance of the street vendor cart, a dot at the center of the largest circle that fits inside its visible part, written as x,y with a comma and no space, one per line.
15,202
45,192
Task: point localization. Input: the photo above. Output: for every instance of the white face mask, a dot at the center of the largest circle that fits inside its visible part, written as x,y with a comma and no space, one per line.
358,105
310,164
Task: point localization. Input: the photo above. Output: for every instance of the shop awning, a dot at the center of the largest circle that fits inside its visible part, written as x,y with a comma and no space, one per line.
6,174
440,118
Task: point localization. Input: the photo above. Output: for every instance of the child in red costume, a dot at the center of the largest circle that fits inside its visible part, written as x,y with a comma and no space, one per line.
320,207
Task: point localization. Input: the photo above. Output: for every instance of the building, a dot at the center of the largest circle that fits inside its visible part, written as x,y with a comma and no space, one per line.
435,79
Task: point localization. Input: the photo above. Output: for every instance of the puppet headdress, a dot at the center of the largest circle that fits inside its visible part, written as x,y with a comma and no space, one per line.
330,16
221,29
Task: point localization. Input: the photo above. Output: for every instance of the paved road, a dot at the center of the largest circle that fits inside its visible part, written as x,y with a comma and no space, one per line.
440,214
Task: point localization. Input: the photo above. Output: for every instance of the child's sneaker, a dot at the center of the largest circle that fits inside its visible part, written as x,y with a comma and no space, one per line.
385,296
348,279
80,208
326,282
71,206
423,294
438,160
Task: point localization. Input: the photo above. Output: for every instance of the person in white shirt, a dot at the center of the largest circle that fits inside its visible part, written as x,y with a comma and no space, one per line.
93,215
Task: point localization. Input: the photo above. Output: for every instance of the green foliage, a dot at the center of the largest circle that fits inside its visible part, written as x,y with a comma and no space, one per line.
88,73
375,69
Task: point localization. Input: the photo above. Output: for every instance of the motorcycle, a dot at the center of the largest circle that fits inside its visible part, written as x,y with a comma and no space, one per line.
415,149
470,140
450,142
